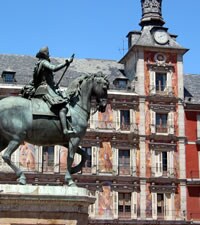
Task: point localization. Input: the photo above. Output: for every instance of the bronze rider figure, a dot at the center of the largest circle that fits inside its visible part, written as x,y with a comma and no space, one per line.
43,82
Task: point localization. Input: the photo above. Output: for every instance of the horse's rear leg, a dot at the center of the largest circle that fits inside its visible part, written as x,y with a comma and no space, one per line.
12,146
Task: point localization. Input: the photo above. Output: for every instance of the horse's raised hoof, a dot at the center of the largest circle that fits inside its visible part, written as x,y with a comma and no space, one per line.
22,180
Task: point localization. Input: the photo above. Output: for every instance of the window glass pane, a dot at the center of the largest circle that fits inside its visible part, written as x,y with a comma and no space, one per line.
89,152
48,158
161,79
125,116
161,119
8,77
122,84
124,162
164,158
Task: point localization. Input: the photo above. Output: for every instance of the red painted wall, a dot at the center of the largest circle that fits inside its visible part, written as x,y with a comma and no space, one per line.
191,125
193,203
192,166
192,163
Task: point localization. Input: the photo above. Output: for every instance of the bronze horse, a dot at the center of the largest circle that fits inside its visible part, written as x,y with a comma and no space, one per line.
21,120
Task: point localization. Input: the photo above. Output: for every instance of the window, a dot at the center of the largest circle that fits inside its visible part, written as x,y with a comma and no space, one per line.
161,122
161,80
162,164
125,119
124,205
120,83
88,163
48,159
124,162
160,205
8,76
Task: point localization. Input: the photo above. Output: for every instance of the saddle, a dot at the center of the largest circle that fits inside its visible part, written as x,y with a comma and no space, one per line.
40,107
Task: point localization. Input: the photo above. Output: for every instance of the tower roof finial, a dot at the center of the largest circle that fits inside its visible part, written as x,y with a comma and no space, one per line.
151,13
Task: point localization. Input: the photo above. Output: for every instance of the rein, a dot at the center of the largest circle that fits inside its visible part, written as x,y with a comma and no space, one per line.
84,110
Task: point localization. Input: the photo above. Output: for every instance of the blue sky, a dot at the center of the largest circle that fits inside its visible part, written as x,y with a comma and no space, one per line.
91,28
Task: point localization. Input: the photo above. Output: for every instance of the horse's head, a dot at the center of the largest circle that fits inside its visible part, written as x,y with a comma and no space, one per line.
99,90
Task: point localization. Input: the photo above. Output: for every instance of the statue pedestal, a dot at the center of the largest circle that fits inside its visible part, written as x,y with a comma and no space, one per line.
58,205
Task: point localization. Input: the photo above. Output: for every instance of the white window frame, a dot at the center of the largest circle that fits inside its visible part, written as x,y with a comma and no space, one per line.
152,74
153,121
93,119
157,163
134,197
168,205
116,115
94,160
170,122
115,161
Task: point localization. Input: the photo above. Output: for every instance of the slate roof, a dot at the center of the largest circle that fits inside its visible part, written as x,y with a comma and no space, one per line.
23,65
192,88
146,39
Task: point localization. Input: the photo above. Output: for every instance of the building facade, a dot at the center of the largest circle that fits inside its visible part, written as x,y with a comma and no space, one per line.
192,148
140,166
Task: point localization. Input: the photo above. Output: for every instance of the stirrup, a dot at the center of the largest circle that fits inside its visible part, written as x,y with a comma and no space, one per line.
66,131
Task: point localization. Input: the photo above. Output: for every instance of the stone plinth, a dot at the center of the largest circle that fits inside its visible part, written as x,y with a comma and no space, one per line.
57,205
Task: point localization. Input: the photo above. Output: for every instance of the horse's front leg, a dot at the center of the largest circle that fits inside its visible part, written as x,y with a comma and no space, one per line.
72,147
12,146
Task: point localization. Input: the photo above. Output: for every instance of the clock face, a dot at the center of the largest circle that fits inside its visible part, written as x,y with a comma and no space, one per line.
161,36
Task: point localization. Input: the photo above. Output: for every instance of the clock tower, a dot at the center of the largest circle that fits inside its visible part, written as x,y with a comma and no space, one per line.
154,66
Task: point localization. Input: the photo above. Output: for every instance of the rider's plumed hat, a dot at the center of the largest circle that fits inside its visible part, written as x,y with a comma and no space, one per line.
43,53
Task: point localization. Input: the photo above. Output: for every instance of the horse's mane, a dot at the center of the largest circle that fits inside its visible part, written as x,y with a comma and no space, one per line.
73,89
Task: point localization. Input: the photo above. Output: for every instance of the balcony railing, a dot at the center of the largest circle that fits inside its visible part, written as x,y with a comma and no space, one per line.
161,172
124,215
107,125
162,129
161,90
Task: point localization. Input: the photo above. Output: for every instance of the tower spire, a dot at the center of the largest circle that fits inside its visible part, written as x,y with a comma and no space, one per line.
151,13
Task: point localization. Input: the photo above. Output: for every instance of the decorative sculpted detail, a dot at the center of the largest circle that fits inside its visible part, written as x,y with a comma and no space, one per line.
151,6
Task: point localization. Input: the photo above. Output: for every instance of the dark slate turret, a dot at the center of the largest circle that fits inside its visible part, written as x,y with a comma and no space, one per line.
151,13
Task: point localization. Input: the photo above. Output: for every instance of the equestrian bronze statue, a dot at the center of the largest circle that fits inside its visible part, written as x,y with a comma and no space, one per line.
37,121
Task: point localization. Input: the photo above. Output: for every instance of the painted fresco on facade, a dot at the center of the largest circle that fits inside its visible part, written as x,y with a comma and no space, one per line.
27,156
148,161
105,204
149,202
177,203
138,162
63,158
176,163
105,158
105,120
148,119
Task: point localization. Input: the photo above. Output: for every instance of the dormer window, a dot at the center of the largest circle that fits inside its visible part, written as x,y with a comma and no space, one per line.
8,76
121,82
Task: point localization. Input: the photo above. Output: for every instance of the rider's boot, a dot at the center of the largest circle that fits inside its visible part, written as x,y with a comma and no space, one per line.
63,120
